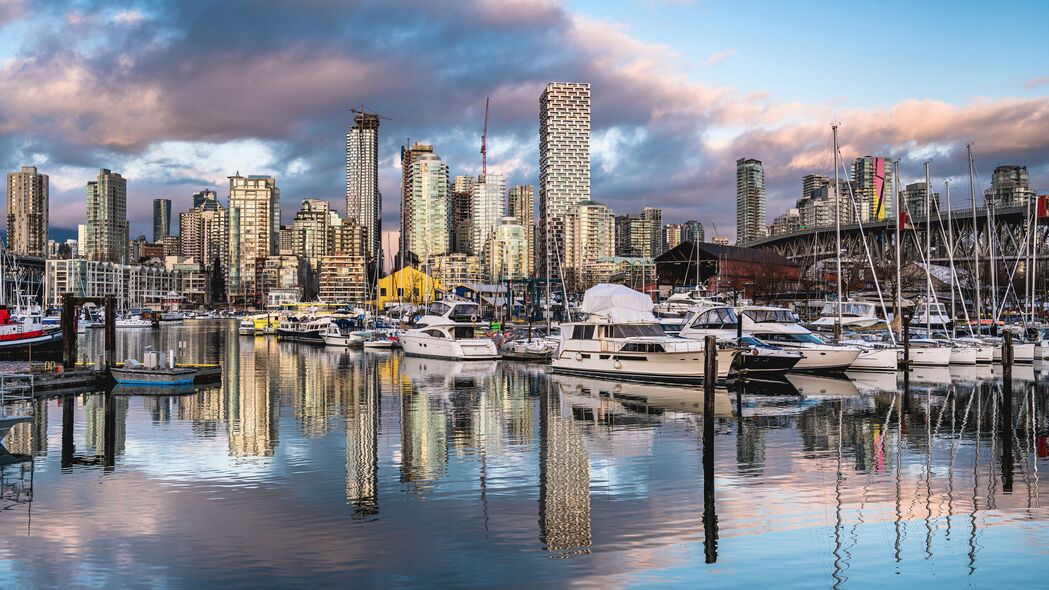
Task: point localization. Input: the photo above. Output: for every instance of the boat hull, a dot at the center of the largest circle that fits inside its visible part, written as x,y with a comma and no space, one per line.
660,367
304,337
933,356
443,348
766,362
963,355
826,358
154,377
878,359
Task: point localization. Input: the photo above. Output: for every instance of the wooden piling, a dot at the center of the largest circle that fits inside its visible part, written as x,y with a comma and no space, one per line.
710,519
1006,427
69,326
111,330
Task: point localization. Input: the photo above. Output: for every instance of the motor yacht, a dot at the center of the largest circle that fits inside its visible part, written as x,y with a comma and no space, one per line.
449,330
305,329
780,327
246,328
621,339
759,356
855,315
134,321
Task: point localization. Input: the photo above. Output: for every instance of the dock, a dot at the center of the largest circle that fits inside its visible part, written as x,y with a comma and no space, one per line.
84,378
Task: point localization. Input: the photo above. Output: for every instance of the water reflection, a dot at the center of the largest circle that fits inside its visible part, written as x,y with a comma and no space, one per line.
307,465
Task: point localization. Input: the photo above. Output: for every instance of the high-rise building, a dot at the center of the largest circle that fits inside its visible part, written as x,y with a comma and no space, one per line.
161,219
489,207
255,227
671,236
623,230
206,196
310,230
692,231
522,207
589,236
564,164
509,251
654,217
1010,187
107,227
81,240
462,215
346,239
873,182
204,234
913,199
27,211
787,223
408,156
812,182
431,208
363,200
750,201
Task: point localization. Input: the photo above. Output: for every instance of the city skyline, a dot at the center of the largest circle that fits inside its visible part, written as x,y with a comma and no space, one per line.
645,127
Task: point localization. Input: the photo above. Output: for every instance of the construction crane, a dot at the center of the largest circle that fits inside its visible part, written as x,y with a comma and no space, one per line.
364,111
484,141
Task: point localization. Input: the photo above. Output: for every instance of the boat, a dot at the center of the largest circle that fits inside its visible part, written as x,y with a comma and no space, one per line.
306,330
132,322
379,344
156,370
246,328
622,339
781,327
874,356
449,330
172,316
343,332
855,315
928,352
759,356
19,335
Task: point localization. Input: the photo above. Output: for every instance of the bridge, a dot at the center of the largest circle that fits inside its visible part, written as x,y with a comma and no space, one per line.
810,247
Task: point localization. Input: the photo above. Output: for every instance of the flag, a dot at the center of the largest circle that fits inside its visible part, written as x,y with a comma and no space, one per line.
904,220
1043,206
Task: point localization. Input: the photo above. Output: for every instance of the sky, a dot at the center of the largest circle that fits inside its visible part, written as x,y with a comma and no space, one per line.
178,95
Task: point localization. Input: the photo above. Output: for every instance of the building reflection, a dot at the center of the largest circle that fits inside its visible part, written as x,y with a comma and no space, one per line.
251,408
564,480
362,440
424,421
29,438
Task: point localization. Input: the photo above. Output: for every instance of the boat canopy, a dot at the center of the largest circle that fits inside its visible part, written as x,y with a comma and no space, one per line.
617,304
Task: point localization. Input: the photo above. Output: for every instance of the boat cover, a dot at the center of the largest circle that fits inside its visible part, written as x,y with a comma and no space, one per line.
617,303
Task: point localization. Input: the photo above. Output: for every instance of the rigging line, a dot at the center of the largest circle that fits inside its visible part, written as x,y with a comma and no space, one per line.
866,250
954,274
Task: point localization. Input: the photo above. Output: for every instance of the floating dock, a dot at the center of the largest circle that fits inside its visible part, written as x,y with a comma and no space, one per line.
89,379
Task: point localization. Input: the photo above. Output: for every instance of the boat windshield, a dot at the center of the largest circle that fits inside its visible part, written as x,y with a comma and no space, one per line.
860,310
719,318
637,331
756,343
793,338
776,316
438,309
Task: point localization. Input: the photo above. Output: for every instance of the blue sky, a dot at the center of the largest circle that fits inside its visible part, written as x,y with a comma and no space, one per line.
179,95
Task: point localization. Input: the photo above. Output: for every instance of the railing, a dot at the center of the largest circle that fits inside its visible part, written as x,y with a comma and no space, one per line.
16,387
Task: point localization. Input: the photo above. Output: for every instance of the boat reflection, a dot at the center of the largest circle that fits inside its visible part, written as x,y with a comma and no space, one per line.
816,386
642,398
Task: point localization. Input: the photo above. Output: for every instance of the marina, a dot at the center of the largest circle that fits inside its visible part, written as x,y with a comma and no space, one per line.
857,479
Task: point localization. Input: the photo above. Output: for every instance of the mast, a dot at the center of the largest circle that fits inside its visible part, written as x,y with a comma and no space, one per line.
1034,260
837,224
928,253
976,238
899,235
950,243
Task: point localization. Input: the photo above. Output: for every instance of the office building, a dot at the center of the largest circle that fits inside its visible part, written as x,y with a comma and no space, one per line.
27,210
521,205
564,164
107,227
161,219
254,226
750,201
363,200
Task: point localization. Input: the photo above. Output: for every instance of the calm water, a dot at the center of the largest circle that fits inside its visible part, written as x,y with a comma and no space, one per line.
315,468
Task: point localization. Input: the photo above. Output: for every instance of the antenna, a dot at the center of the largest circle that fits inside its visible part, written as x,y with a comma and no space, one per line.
484,141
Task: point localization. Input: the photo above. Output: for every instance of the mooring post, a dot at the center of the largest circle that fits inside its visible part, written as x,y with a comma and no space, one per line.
67,431
739,326
906,346
69,325
111,330
1007,412
710,518
109,454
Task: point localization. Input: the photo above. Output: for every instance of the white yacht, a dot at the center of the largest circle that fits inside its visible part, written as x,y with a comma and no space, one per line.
134,321
780,327
448,330
933,315
247,327
621,339
928,352
343,332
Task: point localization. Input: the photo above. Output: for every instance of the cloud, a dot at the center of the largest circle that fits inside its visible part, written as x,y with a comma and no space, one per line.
719,56
198,90
1036,82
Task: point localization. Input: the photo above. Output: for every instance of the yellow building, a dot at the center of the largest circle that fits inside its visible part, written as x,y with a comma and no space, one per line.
407,285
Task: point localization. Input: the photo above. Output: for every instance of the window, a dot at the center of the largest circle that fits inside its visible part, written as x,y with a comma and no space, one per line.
462,332
434,333
637,331
778,316
382,292
719,318
583,332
